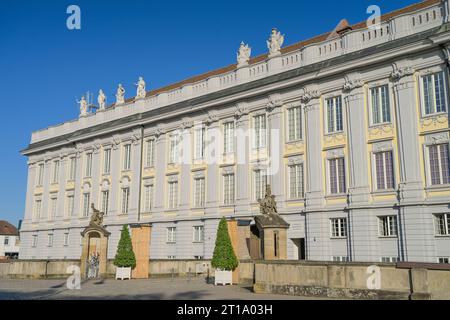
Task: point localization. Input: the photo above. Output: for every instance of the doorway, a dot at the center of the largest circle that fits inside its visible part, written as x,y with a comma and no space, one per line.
299,248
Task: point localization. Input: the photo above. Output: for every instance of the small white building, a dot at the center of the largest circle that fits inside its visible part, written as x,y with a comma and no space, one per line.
9,240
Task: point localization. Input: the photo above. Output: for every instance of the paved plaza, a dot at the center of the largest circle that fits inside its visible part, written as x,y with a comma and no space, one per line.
149,289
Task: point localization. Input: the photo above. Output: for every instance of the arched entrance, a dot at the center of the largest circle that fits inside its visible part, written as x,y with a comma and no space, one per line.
95,241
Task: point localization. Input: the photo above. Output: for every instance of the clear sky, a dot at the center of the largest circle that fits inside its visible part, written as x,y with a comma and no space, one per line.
44,67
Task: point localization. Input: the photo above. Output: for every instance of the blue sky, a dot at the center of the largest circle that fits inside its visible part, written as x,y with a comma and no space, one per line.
44,67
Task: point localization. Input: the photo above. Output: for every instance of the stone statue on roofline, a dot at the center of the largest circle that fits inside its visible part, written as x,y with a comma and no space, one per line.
101,100
268,205
141,93
243,55
274,43
83,107
120,95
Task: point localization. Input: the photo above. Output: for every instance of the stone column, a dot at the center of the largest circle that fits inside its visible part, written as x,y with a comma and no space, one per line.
160,167
314,173
185,174
136,182
411,187
242,157
113,209
357,143
212,157
29,203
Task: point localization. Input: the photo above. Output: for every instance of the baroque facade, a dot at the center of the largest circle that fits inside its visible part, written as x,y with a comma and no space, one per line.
350,129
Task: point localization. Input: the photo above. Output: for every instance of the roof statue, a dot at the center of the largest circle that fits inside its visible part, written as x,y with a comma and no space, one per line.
243,55
120,95
274,43
96,218
268,205
140,94
101,100
83,107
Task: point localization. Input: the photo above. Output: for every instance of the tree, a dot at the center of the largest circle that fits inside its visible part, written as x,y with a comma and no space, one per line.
125,257
224,257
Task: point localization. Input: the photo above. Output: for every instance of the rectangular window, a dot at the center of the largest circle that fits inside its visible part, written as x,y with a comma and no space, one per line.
198,257
86,203
228,139
6,242
341,259
173,149
384,170
171,257
334,115
37,209
105,201
72,168
88,171
199,192
127,157
50,240
439,164
296,181
148,198
388,226
171,234
173,195
199,143
434,93
338,228
389,259
40,177
125,200
34,242
337,175
381,112
294,124
70,206
198,234
150,156
53,203
444,260
66,239
260,131
442,224
107,161
55,174
260,182
228,189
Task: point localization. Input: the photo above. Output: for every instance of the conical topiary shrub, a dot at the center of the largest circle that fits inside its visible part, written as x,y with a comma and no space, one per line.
125,257
224,257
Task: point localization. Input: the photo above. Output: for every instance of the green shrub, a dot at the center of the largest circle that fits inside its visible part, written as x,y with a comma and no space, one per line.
125,257
224,257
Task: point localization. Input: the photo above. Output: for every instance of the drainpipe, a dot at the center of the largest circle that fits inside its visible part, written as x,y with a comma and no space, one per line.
46,268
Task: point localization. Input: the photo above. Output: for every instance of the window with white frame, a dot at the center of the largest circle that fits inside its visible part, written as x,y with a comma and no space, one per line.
6,242
55,174
37,208
125,200
173,148
105,201
150,155
148,198
338,227
199,134
199,192
337,175
107,161
198,234
389,259
40,176
171,257
127,157
34,241
442,224
387,226
88,171
445,260
198,257
439,164
259,123
172,195
434,93
66,239
334,115
340,259
296,181
70,205
171,234
50,240
53,203
259,183
228,188
381,111
294,123
72,168
228,137
86,202
384,170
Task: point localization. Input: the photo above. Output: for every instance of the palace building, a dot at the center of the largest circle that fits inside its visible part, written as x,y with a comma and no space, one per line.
350,129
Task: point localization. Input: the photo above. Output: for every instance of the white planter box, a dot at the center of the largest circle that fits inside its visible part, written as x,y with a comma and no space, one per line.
223,277
123,273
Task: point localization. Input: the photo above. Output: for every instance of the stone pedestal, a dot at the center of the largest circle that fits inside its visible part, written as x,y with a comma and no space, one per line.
273,235
95,240
140,238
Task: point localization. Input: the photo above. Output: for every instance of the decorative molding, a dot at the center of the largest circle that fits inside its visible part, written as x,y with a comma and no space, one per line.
335,153
275,101
433,121
401,72
442,137
382,146
310,95
241,110
351,85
